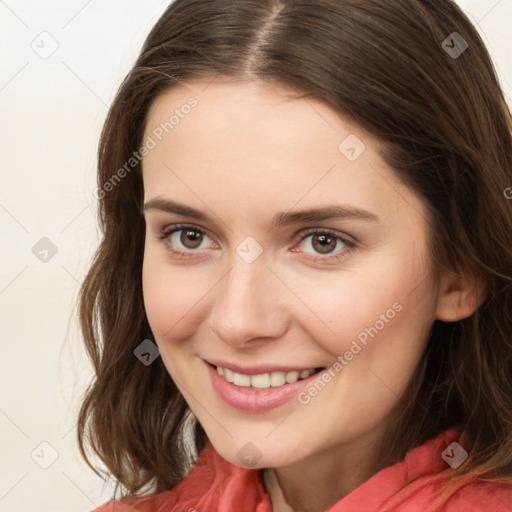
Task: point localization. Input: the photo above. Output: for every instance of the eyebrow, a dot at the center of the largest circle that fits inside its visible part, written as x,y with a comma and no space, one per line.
328,212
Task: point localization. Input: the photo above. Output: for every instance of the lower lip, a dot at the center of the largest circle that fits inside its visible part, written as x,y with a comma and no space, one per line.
252,400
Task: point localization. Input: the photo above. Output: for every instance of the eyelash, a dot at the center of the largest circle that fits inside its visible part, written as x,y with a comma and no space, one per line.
350,243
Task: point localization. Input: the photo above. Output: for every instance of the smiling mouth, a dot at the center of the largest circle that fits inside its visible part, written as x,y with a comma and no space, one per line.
264,380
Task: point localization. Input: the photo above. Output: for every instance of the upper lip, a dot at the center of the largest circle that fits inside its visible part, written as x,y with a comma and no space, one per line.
258,369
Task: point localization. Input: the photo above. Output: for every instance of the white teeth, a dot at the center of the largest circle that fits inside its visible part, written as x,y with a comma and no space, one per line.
263,380
242,380
277,379
228,375
304,374
292,377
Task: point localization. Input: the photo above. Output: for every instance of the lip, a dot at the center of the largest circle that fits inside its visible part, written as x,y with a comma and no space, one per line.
257,370
252,400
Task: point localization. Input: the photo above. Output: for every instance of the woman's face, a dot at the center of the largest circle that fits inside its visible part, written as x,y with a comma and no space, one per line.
278,241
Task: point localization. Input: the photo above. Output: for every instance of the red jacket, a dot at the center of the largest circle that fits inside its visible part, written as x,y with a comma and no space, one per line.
215,485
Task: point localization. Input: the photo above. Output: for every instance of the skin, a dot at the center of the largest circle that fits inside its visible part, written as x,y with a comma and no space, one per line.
246,152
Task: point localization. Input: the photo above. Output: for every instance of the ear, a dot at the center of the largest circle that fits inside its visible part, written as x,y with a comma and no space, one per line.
459,297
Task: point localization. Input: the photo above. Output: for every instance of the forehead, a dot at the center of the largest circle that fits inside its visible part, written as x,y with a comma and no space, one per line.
254,145
244,117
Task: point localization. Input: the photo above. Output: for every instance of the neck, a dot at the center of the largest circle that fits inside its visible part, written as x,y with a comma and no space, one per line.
316,483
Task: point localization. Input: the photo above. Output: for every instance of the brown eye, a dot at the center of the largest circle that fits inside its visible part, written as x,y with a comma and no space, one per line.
184,241
191,238
323,243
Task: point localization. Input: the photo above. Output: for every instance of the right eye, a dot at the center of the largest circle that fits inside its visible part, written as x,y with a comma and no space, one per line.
185,239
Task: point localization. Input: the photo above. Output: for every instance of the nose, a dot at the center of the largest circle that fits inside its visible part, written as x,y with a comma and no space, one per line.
249,304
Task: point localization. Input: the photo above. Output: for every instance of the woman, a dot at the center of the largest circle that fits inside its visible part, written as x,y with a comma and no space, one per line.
302,295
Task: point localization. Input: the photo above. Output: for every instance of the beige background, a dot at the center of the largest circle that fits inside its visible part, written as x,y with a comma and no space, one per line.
52,110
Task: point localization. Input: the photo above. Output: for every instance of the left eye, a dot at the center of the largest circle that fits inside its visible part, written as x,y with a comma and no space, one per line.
323,243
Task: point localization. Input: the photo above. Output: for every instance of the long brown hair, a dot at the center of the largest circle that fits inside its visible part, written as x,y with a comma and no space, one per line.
445,129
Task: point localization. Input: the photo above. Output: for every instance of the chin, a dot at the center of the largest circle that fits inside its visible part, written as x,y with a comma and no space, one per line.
255,456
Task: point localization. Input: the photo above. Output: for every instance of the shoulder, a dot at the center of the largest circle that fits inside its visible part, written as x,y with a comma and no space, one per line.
213,483
422,482
197,482
481,496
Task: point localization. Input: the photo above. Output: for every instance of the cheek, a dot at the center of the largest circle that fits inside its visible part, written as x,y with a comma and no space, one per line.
174,296
392,302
